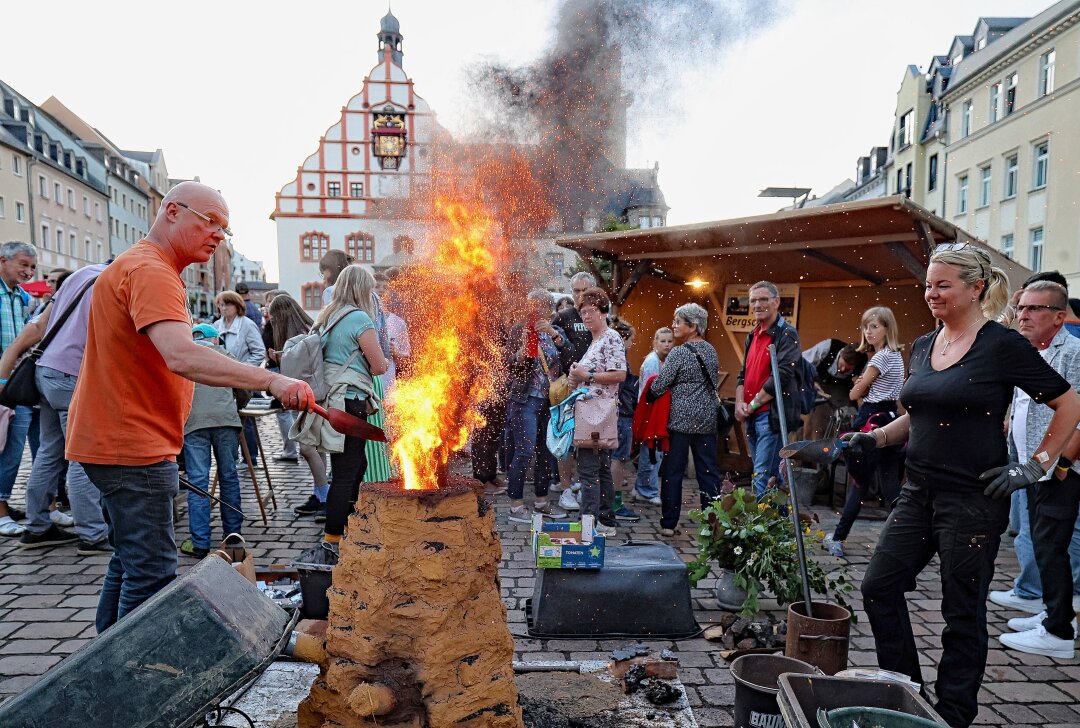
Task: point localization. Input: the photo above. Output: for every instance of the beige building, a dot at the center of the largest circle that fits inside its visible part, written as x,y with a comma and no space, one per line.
14,193
1013,142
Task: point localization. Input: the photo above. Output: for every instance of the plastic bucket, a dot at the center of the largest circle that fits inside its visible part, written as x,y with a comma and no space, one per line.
756,688
821,640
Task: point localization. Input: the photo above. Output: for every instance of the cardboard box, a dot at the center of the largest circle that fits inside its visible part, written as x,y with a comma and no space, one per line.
562,546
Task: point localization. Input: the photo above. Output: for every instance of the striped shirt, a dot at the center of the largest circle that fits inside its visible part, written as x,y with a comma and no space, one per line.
891,378
12,314
378,460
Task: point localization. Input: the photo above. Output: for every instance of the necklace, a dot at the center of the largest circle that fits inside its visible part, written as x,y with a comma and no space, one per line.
957,337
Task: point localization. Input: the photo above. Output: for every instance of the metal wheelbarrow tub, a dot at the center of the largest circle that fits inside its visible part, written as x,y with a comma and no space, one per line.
166,664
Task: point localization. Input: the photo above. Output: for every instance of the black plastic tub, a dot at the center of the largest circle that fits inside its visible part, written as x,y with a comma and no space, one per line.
801,696
643,590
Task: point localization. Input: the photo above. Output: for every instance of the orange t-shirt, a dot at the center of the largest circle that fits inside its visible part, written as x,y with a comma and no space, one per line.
128,408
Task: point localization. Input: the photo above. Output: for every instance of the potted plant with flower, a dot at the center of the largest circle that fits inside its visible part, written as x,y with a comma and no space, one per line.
753,543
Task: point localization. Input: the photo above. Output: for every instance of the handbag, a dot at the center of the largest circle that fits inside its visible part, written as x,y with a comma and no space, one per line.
723,417
560,388
596,423
21,387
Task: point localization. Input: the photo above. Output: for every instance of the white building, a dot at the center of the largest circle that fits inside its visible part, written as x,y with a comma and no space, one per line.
343,196
245,269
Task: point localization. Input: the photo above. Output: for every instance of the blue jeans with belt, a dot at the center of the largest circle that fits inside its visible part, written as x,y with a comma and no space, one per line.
138,508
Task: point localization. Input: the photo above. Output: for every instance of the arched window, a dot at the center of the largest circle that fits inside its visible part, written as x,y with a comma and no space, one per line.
360,247
311,296
314,245
403,244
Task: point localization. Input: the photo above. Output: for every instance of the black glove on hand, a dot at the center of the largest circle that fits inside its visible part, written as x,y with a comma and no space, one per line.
1012,477
860,442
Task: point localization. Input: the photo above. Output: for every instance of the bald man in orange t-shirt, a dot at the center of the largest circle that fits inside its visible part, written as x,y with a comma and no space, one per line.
126,422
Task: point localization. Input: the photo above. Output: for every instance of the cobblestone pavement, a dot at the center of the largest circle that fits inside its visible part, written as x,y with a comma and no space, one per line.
48,596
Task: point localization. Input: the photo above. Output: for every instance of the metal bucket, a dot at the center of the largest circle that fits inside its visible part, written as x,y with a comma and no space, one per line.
821,640
756,688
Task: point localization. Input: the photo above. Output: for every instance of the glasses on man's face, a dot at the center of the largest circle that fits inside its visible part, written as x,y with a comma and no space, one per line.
1033,307
224,230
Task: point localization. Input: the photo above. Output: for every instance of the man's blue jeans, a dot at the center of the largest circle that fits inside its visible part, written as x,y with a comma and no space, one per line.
764,450
138,508
56,389
521,425
12,454
222,441
1028,584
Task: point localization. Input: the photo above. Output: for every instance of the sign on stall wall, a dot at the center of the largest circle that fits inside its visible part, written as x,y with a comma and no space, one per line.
737,316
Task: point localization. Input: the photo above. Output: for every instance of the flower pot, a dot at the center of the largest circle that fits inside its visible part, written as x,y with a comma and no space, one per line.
729,595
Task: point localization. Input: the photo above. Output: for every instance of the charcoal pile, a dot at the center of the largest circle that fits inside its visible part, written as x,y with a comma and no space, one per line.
742,633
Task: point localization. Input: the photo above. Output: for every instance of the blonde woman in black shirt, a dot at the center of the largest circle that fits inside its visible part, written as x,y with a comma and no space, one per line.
955,505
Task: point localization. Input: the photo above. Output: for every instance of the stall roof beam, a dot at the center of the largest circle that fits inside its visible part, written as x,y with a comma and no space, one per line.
846,267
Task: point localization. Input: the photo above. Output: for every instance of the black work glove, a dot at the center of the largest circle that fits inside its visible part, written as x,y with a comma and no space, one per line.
860,442
1009,478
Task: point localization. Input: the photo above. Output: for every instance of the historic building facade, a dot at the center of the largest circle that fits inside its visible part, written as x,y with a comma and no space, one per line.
344,195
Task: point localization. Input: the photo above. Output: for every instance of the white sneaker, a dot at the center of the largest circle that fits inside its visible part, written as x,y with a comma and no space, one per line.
1025,624
10,527
61,519
576,487
605,531
568,502
1039,642
1010,600
556,487
521,514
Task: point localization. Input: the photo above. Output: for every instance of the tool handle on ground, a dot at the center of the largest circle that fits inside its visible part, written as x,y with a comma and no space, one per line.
800,548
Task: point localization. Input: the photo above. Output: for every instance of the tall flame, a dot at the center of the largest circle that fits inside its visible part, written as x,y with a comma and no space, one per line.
456,359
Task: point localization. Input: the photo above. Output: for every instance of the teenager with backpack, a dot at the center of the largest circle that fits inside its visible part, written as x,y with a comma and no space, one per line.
351,359
876,390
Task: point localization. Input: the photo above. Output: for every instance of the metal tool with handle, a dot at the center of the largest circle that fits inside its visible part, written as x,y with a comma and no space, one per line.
790,477
814,452
350,425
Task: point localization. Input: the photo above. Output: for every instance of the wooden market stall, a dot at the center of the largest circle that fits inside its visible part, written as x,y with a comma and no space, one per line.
831,262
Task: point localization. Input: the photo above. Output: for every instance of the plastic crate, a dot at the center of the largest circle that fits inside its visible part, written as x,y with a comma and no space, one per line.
801,695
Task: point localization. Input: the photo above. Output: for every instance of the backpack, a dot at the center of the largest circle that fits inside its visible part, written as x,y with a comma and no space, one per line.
302,356
806,393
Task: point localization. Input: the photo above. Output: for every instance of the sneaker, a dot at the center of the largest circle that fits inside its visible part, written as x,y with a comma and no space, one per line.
1039,642
9,528
625,514
309,507
494,487
283,458
521,514
51,536
188,548
667,532
549,510
605,531
1025,624
637,497
556,487
835,548
59,518
320,515
98,548
576,487
568,501
1012,601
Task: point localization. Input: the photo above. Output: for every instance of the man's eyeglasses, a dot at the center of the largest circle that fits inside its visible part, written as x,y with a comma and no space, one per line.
224,230
1033,307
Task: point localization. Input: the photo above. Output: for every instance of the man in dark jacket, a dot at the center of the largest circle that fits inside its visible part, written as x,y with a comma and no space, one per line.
251,309
757,389
569,320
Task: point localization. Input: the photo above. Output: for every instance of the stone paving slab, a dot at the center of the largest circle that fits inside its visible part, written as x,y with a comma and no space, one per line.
47,600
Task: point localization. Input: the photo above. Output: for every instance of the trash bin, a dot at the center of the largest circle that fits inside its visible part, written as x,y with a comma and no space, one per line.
802,695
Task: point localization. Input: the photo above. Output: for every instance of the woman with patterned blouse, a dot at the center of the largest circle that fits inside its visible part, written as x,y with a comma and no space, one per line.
601,370
691,372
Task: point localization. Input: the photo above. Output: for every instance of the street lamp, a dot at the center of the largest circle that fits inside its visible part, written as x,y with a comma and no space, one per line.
793,192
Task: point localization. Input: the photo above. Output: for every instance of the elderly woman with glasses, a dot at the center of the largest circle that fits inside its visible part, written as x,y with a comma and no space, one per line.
691,373
955,505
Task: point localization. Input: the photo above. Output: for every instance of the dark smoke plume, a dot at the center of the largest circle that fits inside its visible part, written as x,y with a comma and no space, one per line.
607,58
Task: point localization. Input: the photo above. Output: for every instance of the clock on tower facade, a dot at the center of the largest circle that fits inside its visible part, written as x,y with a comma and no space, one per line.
347,195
